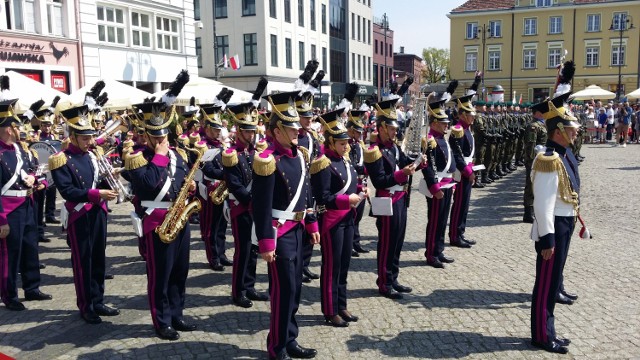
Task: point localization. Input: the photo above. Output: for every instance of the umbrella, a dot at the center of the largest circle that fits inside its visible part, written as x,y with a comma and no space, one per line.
593,92
205,91
634,94
29,91
120,95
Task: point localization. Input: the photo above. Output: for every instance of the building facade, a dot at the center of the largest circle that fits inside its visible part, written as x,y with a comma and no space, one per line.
519,44
39,39
141,43
359,51
408,64
382,54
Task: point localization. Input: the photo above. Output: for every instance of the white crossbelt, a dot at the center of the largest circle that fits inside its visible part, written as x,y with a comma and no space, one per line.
13,178
156,204
17,193
395,188
284,215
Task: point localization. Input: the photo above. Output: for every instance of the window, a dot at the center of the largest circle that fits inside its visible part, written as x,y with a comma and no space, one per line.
358,27
288,56
300,12
619,21
301,58
140,30
222,47
312,15
495,29
617,54
494,60
390,49
324,57
324,18
274,50
369,68
23,15
593,22
196,9
529,57
369,32
375,46
555,25
251,49
272,8
353,26
199,51
220,9
359,67
472,30
248,7
543,3
471,61
111,25
375,75
593,56
554,57
530,26
353,65
54,17
167,34
287,11
313,52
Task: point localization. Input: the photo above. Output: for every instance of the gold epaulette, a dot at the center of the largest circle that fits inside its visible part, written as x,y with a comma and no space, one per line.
183,140
373,138
35,154
432,142
261,146
547,163
178,129
264,166
423,143
134,161
372,154
457,132
57,160
183,154
229,159
319,164
194,138
314,134
65,144
24,146
305,153
127,144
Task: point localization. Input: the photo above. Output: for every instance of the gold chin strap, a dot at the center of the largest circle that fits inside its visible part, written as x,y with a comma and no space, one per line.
285,134
564,134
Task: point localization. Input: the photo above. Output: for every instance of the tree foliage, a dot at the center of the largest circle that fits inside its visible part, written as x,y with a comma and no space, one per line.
436,64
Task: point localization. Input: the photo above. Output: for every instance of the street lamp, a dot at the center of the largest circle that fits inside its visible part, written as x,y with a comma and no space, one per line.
482,31
621,22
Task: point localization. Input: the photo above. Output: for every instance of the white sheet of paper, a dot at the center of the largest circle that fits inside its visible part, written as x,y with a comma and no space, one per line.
381,206
478,167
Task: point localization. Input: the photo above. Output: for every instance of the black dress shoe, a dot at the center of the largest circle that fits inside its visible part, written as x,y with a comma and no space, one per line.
401,288
255,296
194,220
551,346
108,276
104,310
355,253
168,333
216,266
15,306
573,297
37,295
181,325
562,341
91,318
281,356
226,262
391,294
299,352
444,259
44,240
306,279
310,275
562,299
243,301
347,316
435,263
336,321
360,249
469,241
461,244
52,220
478,185
42,266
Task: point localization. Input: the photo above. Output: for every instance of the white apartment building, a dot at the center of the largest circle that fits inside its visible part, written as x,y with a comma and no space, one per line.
360,47
141,43
273,38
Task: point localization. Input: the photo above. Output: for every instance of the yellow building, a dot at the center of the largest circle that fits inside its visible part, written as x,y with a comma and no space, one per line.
519,44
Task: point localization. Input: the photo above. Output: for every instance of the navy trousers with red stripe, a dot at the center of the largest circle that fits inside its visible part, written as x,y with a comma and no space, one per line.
19,253
285,285
336,255
437,211
213,228
245,257
459,210
548,278
391,231
87,237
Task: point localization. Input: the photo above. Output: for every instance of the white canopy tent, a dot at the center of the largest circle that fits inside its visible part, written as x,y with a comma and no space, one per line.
593,92
120,95
29,91
205,91
634,95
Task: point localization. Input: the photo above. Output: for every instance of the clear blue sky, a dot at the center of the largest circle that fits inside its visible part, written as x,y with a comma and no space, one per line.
417,24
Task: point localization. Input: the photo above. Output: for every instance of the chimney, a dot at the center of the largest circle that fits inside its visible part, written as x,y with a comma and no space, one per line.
401,49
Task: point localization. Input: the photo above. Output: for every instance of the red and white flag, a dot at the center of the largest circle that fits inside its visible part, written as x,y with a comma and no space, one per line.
235,62
225,61
520,101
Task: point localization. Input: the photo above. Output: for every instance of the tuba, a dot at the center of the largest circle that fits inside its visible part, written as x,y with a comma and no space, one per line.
412,142
178,214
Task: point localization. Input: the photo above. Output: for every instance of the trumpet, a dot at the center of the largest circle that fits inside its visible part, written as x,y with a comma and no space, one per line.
105,170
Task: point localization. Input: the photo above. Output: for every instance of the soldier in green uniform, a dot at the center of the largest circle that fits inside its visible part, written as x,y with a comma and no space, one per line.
536,134
480,138
521,121
491,145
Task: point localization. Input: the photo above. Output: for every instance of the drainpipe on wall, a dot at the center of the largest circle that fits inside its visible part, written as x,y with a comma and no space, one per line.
79,35
573,44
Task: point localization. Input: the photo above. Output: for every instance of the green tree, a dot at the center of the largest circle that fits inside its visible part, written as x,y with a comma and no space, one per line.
436,64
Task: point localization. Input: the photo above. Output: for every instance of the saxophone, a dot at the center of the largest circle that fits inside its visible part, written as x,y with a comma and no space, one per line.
219,194
178,214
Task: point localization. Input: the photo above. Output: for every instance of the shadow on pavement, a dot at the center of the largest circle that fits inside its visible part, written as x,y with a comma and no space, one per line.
195,349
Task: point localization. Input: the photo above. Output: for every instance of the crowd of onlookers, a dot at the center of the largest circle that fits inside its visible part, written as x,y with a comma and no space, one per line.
615,122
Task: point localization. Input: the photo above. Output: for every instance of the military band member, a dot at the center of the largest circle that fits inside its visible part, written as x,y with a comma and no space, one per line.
282,209
439,179
45,133
75,171
389,170
464,149
355,129
335,188
556,186
535,135
157,176
18,231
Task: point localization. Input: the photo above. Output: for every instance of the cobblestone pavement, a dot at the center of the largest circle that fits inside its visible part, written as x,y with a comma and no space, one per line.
477,307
